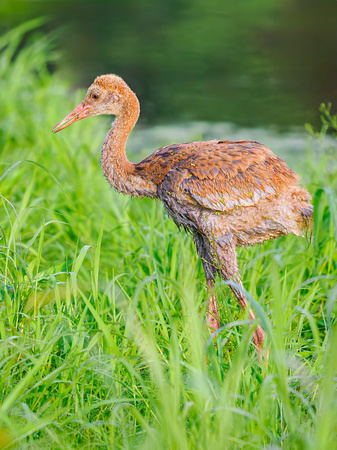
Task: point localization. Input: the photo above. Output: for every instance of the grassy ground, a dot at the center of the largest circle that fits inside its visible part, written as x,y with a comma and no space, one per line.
103,301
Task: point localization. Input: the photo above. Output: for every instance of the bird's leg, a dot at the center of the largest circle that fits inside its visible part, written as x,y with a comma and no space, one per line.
259,334
222,260
203,248
228,266
213,319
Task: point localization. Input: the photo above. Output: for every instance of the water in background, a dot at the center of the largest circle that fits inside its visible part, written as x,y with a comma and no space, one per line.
289,145
250,63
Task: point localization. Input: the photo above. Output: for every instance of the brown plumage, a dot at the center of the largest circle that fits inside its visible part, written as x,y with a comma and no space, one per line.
226,193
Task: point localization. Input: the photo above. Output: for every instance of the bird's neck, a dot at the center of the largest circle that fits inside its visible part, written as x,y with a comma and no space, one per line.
118,170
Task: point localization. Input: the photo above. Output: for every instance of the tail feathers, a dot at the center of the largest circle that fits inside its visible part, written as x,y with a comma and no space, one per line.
307,213
301,198
308,222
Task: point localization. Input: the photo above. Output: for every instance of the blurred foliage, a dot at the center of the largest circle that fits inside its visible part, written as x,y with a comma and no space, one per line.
329,120
251,63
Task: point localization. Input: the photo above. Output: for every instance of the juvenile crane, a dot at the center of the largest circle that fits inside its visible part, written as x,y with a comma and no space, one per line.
226,193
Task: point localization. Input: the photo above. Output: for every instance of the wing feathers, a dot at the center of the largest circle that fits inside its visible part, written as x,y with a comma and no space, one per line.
218,175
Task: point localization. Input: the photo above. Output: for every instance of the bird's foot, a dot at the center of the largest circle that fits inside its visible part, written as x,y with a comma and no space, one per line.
258,338
212,321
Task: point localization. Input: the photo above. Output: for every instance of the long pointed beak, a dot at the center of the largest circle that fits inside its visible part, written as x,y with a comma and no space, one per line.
80,112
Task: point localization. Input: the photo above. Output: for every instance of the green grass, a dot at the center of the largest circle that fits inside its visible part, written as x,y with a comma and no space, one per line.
103,342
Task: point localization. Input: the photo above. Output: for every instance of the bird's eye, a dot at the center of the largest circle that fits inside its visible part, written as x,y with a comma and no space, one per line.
95,96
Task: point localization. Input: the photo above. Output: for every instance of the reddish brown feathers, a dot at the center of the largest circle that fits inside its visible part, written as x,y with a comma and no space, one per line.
226,193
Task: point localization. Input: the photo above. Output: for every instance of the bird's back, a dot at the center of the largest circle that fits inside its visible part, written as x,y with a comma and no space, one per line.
215,159
229,187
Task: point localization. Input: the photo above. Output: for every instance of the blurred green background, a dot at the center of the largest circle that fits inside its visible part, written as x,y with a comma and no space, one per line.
253,63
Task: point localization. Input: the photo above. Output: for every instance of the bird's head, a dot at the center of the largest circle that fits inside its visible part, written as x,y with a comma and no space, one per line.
108,94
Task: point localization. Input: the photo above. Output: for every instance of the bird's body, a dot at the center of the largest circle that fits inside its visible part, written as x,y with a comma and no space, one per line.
226,193
228,190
